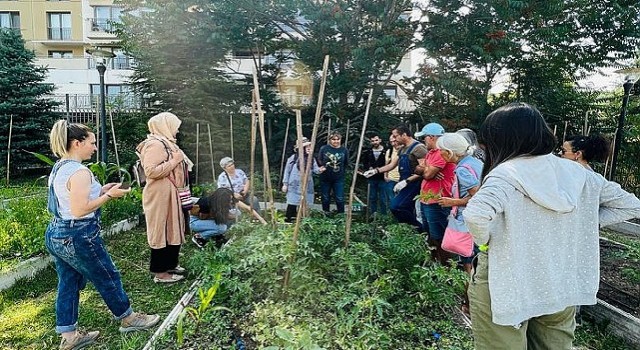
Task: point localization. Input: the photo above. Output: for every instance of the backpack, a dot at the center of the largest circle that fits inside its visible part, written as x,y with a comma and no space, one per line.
138,172
137,169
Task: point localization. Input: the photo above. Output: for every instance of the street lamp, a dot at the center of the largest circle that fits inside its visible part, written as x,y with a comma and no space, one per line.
102,58
627,86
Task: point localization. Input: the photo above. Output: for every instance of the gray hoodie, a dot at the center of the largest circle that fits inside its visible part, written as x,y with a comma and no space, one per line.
540,216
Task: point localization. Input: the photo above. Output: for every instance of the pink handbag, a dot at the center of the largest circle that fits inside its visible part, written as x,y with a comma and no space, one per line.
457,242
457,238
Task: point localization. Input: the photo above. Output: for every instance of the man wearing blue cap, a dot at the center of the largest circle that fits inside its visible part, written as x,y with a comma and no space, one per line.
409,157
434,186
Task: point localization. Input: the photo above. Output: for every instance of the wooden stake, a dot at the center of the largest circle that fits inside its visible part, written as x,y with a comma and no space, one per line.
253,143
213,168
115,144
284,150
197,150
347,230
346,136
265,155
564,134
328,130
9,148
231,132
310,160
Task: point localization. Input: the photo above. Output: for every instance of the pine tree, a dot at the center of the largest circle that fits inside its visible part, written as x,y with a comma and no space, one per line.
23,95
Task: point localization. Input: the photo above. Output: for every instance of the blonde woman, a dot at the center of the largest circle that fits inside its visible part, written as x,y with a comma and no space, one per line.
73,237
166,168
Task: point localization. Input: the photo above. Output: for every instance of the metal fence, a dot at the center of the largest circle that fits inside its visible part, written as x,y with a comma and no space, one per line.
86,108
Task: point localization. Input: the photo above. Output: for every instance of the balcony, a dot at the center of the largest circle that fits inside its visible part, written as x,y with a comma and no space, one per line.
103,25
63,34
118,63
77,104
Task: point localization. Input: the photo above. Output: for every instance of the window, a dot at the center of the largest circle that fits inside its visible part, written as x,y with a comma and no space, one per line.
59,25
104,18
10,20
60,54
246,53
121,61
391,92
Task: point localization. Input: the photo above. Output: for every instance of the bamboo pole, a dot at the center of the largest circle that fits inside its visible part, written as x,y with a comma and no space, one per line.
115,144
284,150
231,133
328,130
213,168
564,133
253,144
265,155
347,231
309,166
9,148
346,136
608,164
197,150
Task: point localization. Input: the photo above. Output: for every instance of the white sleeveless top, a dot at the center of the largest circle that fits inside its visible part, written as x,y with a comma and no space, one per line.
63,193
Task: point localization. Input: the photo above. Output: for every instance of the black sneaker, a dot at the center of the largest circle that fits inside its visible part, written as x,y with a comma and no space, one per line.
220,241
199,241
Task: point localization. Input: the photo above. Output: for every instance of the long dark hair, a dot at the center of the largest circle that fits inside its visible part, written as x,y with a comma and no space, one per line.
220,202
593,147
514,130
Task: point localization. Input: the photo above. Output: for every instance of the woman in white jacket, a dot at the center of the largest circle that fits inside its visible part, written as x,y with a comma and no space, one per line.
537,219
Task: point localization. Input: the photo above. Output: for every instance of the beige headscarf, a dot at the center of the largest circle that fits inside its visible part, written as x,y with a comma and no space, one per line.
165,125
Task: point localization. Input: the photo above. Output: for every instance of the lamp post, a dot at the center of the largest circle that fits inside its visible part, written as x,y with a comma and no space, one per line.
102,58
627,86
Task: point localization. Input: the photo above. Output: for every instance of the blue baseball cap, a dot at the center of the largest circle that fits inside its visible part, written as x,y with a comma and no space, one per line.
431,129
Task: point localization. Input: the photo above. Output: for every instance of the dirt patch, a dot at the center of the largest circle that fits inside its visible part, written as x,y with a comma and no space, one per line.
619,277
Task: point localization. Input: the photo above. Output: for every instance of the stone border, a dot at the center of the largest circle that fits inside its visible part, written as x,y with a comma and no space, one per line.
626,227
621,323
174,314
30,267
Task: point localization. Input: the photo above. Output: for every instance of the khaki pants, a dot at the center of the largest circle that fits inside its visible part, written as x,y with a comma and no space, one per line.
547,332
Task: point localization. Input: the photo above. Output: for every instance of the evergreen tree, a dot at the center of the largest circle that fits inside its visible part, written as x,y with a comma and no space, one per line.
23,95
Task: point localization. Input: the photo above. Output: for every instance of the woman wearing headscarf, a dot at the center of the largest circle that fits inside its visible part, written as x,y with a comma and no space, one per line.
166,168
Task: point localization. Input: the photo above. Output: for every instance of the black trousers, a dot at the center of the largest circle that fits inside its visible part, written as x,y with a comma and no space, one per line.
291,213
164,259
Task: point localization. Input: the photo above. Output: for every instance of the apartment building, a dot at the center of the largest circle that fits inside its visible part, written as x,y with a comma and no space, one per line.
60,32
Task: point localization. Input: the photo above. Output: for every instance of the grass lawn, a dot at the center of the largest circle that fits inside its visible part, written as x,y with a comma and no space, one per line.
27,310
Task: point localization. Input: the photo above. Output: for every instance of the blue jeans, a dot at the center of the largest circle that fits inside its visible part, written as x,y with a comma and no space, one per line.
403,205
206,228
80,256
435,218
388,191
335,185
377,192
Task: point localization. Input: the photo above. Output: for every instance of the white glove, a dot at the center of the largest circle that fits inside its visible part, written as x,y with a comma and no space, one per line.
399,186
369,173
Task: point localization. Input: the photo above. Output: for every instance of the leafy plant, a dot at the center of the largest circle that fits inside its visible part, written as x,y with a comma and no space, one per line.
204,306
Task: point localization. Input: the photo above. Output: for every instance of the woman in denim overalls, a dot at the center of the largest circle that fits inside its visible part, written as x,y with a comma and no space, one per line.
73,237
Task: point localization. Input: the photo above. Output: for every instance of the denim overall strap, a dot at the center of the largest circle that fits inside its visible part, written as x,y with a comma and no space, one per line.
404,164
52,200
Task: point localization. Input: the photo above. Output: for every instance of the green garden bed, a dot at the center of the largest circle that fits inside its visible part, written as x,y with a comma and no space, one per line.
23,222
27,310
